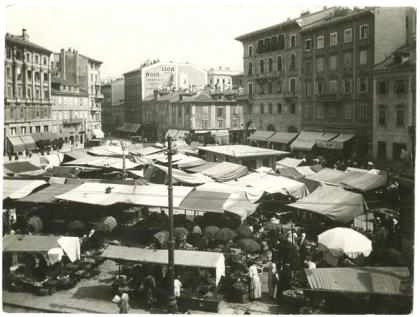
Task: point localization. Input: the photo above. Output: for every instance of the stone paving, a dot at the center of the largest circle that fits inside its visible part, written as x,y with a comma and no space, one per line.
94,296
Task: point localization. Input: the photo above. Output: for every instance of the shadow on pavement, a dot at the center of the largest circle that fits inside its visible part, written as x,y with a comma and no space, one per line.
99,292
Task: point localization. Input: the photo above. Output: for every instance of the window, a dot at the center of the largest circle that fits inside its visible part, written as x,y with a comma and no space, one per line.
19,92
37,76
262,85
250,89
308,89
333,39
37,95
8,72
292,84
363,85
266,45
332,111
333,62
249,69
293,108
293,62
29,75
333,86
12,113
320,64
400,116
279,108
347,83
308,45
273,43
46,94
30,130
36,59
348,110
279,63
18,55
220,122
348,36
347,59
235,123
270,108
12,131
382,88
382,116
38,129
308,66
261,108
320,111
320,42
363,57
381,150
362,112
261,66
308,112
45,76
250,50
281,41
19,73
320,87
270,64
91,77
400,86
9,91
280,90
29,93
45,61
21,114
364,31
270,88
22,130
397,149
220,112
292,40
9,53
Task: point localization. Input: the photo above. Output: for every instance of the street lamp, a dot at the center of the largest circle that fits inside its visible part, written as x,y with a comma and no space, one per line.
124,174
172,304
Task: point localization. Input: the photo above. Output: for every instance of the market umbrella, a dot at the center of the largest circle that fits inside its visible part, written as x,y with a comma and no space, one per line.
249,245
35,223
243,231
162,237
102,227
339,241
210,231
75,225
111,222
180,231
225,234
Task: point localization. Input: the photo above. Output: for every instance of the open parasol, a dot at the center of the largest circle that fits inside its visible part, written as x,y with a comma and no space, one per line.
162,237
249,245
75,225
225,234
243,231
210,231
35,224
180,231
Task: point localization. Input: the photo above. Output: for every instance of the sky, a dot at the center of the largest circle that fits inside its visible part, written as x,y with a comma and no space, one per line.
124,36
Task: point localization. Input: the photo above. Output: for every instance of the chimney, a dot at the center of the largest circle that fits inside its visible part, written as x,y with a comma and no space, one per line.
156,94
25,36
63,64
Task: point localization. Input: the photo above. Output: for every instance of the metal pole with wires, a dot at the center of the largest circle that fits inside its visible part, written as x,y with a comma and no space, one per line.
172,303
124,174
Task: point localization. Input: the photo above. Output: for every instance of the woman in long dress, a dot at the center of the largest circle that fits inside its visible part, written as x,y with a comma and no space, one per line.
272,278
255,283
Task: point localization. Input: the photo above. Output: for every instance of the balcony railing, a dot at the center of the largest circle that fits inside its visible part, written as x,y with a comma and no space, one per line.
72,121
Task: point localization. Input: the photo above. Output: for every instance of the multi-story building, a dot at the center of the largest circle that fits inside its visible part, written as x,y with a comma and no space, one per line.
27,91
221,79
238,81
272,63
113,105
74,69
142,82
394,104
339,52
195,114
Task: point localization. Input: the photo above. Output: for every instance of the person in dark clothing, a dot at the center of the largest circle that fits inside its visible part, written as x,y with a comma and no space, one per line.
283,281
149,287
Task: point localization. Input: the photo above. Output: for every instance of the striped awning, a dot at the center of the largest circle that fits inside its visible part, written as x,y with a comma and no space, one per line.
29,142
17,143
282,137
261,135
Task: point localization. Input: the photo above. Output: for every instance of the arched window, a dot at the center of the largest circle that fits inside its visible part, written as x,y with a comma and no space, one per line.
270,64
37,76
279,63
281,41
292,62
274,43
249,69
261,66
266,45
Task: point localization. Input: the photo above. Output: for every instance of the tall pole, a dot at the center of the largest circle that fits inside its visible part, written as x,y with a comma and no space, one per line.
124,170
173,308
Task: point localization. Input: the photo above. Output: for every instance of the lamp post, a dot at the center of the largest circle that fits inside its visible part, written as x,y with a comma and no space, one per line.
172,305
124,174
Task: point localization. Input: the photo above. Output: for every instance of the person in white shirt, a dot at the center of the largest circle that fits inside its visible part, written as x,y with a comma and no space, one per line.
177,287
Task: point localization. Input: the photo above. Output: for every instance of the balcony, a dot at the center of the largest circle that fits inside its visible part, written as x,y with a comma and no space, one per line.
99,96
72,121
267,75
329,97
290,94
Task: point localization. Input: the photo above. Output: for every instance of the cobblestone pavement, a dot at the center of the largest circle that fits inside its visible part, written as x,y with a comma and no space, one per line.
94,296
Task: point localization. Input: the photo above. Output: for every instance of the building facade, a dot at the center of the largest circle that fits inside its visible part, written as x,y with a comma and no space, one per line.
339,52
221,79
27,92
272,63
72,69
143,81
113,112
394,104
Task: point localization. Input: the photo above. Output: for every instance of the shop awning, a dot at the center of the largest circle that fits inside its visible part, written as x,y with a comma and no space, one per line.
364,181
226,171
239,205
50,136
123,128
199,169
21,167
135,128
199,259
15,189
29,142
17,144
363,280
29,243
305,170
327,175
47,195
37,137
261,135
222,136
190,161
333,202
253,194
205,201
185,178
171,133
148,150
306,140
289,172
289,162
98,134
282,137
336,143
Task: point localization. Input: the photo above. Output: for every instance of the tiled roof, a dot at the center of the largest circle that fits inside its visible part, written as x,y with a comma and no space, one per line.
389,63
18,40
171,97
270,28
202,97
92,59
